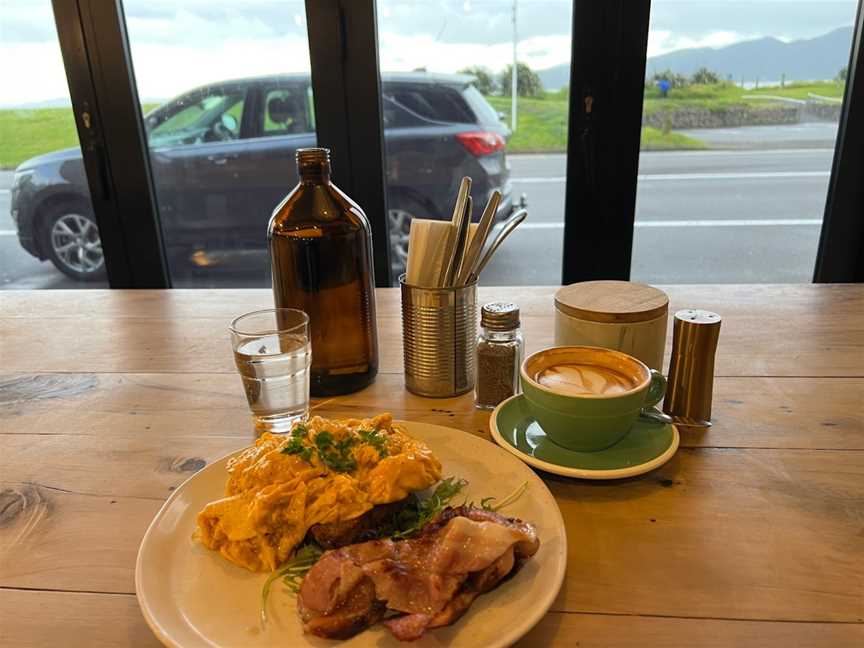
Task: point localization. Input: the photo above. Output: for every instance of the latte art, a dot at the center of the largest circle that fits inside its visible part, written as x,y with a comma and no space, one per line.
584,379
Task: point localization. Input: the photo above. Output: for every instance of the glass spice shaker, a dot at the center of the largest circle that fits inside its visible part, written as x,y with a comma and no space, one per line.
499,354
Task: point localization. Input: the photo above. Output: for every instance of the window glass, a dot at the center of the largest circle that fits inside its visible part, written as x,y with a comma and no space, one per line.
48,232
446,76
219,82
742,101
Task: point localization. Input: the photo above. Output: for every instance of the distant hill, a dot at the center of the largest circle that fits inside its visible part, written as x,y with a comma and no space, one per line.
766,59
59,103
556,77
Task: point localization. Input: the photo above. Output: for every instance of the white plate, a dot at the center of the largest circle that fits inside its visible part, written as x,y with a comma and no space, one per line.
191,596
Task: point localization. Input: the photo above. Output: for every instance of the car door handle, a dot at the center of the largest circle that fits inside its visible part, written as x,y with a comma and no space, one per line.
220,159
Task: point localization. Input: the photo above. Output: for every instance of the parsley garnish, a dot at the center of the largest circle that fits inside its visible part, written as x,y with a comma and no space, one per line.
374,439
333,453
296,446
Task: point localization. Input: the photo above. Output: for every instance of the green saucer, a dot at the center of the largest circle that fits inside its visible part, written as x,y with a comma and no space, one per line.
646,447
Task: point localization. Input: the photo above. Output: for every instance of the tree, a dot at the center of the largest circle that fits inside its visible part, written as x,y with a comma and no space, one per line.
676,80
528,84
704,76
843,74
483,78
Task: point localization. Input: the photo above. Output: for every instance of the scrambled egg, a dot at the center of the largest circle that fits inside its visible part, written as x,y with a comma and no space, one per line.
324,471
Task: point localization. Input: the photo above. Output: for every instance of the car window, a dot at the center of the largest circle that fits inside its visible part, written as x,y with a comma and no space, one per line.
212,117
437,103
486,114
395,116
285,112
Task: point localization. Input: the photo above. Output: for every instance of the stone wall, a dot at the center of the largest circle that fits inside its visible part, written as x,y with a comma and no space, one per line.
727,117
742,115
820,111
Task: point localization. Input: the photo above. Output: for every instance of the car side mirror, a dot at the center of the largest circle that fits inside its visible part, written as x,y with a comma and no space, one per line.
229,122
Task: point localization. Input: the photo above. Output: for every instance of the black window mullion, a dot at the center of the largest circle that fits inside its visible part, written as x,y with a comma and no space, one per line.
98,63
346,90
607,81
88,121
841,243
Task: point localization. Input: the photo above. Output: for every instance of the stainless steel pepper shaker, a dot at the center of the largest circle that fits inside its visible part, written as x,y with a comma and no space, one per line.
691,371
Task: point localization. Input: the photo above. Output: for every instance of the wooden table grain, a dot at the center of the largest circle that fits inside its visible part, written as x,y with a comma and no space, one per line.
752,535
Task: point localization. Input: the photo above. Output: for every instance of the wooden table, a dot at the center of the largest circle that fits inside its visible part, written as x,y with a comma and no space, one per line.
752,535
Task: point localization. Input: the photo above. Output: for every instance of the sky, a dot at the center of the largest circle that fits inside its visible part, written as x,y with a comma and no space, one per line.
177,45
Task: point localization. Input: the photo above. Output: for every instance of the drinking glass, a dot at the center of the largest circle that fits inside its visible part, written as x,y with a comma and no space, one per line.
273,353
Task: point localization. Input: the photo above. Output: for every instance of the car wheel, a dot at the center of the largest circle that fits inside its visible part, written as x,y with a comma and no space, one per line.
70,237
399,229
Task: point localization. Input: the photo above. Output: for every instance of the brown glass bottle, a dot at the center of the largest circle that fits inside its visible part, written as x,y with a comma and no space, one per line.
321,258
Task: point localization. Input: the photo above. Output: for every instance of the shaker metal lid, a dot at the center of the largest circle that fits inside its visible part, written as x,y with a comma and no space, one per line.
697,316
500,316
612,301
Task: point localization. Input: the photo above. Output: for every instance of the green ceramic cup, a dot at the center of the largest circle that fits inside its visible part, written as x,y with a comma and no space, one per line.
589,421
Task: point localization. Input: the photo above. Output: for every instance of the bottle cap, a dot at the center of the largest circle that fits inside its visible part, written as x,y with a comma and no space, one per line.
500,316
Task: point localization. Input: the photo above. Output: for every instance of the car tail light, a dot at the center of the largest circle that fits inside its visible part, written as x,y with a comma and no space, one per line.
481,143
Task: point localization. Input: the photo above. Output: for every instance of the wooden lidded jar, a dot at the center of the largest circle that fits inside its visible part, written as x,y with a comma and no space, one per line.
621,315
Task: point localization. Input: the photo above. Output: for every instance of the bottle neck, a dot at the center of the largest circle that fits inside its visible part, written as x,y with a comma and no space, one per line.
316,176
313,165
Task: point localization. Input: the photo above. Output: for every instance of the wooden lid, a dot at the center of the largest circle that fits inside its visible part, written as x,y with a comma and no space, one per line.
612,301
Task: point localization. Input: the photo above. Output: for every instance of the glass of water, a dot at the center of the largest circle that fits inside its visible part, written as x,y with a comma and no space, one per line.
273,353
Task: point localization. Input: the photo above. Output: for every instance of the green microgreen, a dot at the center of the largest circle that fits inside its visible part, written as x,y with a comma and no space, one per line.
292,573
487,505
420,512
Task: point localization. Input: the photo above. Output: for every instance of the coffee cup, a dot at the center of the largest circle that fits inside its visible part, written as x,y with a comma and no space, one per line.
588,398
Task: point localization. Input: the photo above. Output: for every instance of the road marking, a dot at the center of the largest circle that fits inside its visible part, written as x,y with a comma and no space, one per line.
742,222
5,191
784,152
8,233
735,176
653,177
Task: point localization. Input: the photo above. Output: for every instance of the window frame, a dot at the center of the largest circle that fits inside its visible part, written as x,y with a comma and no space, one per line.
96,56
840,258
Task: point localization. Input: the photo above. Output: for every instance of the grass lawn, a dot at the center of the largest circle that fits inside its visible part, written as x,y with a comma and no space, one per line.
542,127
542,123
27,133
653,139
726,94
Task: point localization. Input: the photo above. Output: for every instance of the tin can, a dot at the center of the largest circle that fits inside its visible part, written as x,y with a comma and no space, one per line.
439,331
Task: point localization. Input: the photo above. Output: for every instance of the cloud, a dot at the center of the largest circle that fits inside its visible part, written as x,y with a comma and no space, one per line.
662,41
177,45
398,52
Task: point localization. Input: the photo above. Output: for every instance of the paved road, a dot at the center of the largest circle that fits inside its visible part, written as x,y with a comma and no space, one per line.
712,216
807,135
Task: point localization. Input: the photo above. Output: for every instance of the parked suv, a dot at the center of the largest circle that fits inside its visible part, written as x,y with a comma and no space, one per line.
222,157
